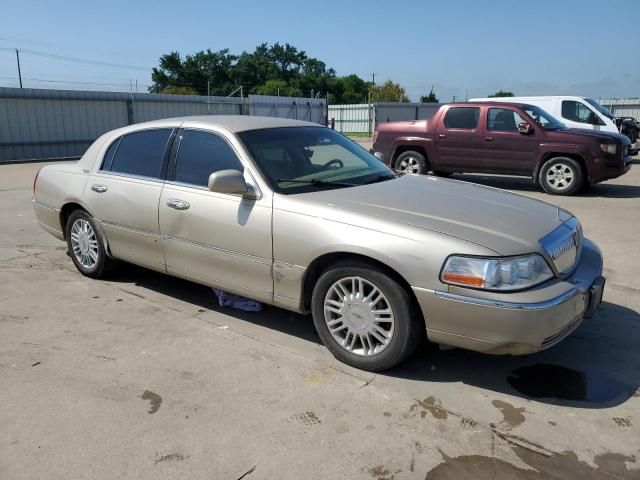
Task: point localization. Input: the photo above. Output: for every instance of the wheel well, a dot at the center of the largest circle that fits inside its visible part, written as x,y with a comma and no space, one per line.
65,211
400,149
322,263
550,155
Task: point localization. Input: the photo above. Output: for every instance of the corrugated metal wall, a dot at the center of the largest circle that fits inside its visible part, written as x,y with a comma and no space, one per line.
45,124
352,118
622,107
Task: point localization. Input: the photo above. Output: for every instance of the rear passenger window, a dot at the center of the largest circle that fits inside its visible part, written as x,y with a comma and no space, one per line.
200,154
462,117
108,156
141,153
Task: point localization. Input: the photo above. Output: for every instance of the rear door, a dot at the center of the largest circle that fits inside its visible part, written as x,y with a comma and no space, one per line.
124,193
458,140
221,240
506,150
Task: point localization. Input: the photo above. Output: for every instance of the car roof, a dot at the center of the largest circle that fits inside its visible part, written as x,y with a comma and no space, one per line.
232,123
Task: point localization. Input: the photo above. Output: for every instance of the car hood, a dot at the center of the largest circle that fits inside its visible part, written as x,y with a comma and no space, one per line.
506,223
569,135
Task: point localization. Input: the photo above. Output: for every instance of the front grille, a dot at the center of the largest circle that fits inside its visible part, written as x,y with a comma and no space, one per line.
564,244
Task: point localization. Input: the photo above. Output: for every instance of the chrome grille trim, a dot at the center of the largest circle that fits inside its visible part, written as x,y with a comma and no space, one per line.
564,245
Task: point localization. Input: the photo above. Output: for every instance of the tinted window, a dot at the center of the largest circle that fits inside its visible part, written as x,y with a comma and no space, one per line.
503,120
141,153
579,112
200,154
462,117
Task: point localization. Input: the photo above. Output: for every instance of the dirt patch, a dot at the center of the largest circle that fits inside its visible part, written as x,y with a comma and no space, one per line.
512,416
429,405
155,400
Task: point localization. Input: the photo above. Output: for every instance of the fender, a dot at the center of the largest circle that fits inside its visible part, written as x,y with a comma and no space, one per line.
411,141
548,150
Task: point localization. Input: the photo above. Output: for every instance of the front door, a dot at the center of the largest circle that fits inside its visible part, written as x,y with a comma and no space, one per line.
505,150
458,141
221,240
124,194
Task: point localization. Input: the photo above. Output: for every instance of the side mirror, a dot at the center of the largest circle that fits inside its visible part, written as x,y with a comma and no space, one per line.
229,181
525,128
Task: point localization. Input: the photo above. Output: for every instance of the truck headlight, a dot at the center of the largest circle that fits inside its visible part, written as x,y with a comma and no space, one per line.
609,148
504,274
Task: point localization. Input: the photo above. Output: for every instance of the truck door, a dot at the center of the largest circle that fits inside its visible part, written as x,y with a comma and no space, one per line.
458,141
505,150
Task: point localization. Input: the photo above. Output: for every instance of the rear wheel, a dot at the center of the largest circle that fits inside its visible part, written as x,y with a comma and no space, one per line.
86,247
411,162
561,176
364,317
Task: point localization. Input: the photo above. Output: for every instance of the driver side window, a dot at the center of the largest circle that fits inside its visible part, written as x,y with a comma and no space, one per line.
200,154
579,112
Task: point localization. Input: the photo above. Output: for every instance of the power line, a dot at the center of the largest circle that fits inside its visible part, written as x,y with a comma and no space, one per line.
74,59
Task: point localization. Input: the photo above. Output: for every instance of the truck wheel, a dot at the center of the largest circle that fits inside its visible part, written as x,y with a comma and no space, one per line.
411,162
365,317
561,176
86,247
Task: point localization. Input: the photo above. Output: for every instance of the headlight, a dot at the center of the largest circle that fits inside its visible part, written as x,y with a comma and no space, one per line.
512,273
609,148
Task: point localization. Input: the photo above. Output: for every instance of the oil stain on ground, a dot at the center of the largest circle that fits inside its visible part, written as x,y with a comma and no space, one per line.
554,381
154,400
429,405
560,466
512,416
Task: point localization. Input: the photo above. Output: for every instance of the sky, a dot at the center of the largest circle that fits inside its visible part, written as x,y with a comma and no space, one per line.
462,48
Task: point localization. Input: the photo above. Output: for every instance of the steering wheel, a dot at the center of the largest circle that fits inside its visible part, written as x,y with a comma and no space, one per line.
336,161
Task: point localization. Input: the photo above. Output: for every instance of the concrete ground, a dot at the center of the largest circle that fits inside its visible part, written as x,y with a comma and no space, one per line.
144,377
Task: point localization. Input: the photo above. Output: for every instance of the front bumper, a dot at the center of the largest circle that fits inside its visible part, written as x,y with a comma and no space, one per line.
515,323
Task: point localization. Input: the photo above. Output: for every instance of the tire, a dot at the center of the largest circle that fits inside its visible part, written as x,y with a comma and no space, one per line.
86,247
561,176
411,162
440,173
358,339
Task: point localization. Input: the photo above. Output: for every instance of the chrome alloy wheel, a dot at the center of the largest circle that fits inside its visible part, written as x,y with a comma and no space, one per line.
358,316
560,176
409,165
84,243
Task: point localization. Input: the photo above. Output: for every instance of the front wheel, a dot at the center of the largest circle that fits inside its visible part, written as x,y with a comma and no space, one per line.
86,247
364,317
561,176
411,162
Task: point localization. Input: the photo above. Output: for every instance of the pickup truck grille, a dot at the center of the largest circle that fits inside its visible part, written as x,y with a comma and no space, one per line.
564,245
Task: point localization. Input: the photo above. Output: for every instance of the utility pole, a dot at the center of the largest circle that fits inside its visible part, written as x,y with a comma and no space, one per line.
208,99
454,99
373,77
19,72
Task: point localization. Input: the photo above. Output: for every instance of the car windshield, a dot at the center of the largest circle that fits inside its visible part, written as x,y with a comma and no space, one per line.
599,107
542,118
303,159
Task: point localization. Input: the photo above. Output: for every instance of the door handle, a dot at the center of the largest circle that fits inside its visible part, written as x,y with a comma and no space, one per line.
99,188
178,204
488,139
442,136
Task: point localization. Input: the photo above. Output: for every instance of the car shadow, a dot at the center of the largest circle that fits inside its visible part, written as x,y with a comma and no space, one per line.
524,184
598,366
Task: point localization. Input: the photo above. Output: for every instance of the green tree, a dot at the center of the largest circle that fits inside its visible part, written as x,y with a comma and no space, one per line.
389,91
278,87
500,93
350,89
431,98
172,89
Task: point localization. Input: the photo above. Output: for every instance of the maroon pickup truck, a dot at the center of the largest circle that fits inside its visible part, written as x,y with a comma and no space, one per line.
503,138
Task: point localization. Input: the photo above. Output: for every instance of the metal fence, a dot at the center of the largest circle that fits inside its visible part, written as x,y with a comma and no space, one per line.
622,107
46,124
362,118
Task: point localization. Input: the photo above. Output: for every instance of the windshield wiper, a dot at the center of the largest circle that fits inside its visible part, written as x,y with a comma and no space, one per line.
317,182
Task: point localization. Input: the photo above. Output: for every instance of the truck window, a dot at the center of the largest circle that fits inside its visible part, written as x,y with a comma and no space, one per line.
503,120
579,112
462,117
